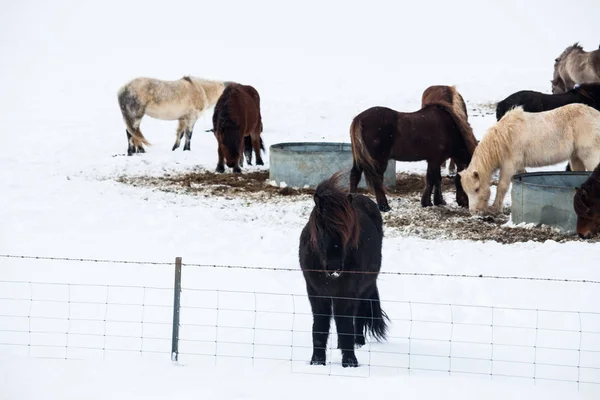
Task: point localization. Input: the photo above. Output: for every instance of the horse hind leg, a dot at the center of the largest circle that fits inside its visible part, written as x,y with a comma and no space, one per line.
179,133
256,146
438,198
429,181
189,129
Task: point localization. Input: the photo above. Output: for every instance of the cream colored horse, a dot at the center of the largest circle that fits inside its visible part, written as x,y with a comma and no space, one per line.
574,67
183,100
521,139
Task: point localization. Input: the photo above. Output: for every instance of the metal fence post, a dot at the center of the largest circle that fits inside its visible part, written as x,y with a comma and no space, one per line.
176,303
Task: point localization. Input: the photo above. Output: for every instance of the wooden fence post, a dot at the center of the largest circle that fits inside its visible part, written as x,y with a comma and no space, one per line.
176,304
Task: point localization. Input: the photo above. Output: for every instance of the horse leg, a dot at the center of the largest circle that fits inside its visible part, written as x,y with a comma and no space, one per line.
248,149
344,311
355,175
321,310
461,197
189,129
438,198
221,162
429,180
577,164
179,133
256,145
506,175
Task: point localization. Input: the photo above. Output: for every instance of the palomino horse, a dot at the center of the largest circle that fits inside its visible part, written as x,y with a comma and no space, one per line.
434,133
183,100
575,66
237,115
340,257
586,203
449,94
521,139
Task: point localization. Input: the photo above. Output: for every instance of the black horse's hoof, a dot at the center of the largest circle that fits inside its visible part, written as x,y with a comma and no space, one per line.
439,202
318,359
220,169
349,360
237,170
426,203
260,162
384,208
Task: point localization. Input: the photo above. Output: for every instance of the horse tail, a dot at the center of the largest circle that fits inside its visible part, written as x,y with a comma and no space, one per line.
375,318
362,158
463,126
132,109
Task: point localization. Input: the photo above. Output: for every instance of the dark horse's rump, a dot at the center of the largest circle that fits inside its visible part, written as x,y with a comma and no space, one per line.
236,116
533,101
434,133
586,204
340,256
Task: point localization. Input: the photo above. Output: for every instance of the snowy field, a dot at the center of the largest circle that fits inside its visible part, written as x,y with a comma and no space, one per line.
316,65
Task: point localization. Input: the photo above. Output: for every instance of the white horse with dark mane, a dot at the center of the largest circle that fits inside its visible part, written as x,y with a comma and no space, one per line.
184,100
522,139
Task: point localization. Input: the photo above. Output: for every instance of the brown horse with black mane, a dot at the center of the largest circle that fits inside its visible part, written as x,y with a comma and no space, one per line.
449,94
434,133
586,203
236,116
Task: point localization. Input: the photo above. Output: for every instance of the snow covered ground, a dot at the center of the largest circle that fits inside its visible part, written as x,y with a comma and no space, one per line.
316,65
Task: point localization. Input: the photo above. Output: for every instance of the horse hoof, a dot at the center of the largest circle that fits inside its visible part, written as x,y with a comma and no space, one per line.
220,169
359,342
141,150
426,204
260,162
187,148
384,208
349,361
175,147
440,202
318,360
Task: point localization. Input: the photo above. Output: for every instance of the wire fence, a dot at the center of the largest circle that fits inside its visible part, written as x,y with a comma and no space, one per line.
216,327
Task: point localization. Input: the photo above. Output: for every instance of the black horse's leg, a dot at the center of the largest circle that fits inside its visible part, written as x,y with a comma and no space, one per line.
355,175
377,184
221,162
429,180
360,321
438,198
321,310
461,197
344,311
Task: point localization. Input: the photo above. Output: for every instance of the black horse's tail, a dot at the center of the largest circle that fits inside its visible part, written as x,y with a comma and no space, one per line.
375,318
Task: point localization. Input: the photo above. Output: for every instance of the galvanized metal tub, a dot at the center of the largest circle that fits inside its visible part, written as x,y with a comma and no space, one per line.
546,198
299,164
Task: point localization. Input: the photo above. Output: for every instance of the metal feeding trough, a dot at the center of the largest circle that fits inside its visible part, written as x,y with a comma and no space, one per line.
546,198
308,163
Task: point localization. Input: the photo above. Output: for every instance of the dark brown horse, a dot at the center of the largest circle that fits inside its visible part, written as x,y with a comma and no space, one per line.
340,257
449,94
237,115
434,133
586,203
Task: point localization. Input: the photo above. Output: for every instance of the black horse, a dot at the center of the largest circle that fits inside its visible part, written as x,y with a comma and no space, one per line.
531,101
340,256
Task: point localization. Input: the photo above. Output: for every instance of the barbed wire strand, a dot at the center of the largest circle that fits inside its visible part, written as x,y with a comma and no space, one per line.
277,269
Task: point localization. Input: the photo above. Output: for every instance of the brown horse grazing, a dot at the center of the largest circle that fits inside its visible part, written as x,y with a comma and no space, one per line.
449,94
575,66
586,203
237,115
434,133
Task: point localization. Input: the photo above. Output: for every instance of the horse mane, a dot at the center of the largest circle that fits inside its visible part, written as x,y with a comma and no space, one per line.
568,50
588,90
586,201
187,78
334,212
496,141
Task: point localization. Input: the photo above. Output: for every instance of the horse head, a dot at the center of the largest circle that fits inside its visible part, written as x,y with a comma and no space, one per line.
586,203
478,193
333,226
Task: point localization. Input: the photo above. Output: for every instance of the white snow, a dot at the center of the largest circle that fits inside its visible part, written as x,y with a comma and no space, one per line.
316,65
